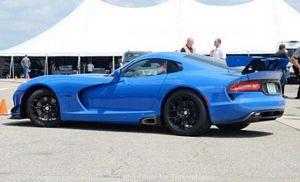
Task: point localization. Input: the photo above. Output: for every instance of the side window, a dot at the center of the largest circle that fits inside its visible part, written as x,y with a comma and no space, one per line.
174,67
149,67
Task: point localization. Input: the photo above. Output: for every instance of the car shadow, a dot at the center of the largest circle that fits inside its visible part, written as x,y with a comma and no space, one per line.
99,127
214,132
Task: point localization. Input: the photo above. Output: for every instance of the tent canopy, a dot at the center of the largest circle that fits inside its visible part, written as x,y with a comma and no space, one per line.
97,28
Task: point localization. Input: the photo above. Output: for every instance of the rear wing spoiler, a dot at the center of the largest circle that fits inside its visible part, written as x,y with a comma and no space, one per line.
257,63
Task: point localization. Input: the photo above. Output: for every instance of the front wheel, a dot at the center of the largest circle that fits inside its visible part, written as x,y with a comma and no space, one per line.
43,108
185,114
233,127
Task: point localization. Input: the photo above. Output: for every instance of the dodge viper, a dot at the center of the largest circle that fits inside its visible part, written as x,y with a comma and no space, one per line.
187,93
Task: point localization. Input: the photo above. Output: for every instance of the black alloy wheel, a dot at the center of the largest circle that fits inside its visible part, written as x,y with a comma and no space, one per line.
43,108
185,114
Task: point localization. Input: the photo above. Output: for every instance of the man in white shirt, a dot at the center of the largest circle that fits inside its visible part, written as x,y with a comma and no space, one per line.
217,52
90,67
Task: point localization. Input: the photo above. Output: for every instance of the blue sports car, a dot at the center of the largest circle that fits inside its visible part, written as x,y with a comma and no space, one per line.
185,92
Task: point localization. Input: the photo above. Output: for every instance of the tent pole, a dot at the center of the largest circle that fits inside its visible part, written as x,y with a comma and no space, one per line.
13,66
113,64
11,74
78,64
46,72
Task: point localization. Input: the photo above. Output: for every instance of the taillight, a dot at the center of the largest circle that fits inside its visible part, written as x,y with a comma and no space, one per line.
246,86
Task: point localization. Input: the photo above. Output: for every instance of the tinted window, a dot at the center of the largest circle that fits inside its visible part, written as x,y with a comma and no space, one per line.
174,67
149,67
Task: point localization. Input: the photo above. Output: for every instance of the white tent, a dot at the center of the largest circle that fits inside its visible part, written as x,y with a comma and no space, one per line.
97,28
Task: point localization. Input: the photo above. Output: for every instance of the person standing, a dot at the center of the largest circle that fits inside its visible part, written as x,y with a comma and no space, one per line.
188,48
90,67
295,60
25,62
282,53
53,68
217,52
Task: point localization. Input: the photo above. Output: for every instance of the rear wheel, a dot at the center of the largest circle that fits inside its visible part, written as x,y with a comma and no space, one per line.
43,108
233,127
185,114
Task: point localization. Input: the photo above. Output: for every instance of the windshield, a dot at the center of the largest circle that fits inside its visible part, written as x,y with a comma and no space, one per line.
129,56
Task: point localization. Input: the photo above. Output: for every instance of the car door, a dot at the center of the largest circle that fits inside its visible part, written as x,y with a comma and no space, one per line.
137,89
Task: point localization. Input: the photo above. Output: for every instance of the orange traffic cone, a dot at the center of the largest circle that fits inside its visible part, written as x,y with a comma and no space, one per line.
3,108
16,77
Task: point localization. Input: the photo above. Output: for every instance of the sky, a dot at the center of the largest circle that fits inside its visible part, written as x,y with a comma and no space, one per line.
21,20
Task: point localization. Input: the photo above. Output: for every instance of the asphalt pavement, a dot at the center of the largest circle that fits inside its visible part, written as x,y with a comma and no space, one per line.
265,151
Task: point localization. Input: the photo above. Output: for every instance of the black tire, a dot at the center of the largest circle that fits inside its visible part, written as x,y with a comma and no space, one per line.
233,127
185,114
43,108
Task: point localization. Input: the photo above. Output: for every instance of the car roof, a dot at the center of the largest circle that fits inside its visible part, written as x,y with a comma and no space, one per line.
178,56
167,54
192,61
175,56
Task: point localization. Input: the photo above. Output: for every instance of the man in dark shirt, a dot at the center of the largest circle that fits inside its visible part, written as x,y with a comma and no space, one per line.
295,60
282,53
188,48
